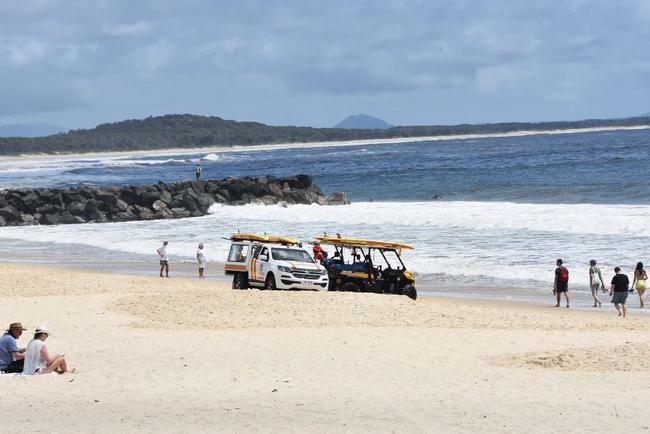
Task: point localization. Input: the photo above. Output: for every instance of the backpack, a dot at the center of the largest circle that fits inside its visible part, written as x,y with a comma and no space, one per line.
564,274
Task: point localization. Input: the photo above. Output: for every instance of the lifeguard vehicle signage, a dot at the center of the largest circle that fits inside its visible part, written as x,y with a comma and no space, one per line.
272,262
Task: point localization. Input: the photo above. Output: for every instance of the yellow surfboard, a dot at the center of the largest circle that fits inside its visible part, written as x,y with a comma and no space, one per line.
358,242
263,238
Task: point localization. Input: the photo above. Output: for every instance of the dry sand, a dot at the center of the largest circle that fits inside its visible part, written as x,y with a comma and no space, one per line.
181,355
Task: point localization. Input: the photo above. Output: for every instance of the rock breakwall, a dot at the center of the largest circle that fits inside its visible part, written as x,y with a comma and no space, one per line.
86,204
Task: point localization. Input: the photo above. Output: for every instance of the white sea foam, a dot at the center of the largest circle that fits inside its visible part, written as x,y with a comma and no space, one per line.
211,157
480,243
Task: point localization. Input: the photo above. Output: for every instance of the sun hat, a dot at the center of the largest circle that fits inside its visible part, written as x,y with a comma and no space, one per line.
16,325
41,329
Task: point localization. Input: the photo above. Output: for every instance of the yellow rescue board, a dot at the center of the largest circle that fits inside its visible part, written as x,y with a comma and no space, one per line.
357,242
263,238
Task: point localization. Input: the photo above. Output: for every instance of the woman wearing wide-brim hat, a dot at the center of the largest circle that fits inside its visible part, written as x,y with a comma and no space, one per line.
37,357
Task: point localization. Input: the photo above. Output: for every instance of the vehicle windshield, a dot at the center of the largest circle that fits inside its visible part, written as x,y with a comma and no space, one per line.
297,255
389,259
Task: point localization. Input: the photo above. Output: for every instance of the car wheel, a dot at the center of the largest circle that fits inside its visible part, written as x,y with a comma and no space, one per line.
270,282
410,292
239,281
350,287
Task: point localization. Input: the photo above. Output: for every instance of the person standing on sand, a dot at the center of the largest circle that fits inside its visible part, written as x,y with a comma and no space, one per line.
639,282
12,357
561,282
595,281
200,256
620,284
197,171
164,259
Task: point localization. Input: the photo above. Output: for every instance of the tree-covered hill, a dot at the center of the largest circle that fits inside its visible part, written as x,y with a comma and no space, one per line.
191,131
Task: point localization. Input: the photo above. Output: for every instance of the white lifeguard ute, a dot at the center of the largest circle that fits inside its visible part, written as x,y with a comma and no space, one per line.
272,262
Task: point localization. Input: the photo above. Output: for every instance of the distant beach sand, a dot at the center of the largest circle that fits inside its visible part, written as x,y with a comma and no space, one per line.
187,355
175,151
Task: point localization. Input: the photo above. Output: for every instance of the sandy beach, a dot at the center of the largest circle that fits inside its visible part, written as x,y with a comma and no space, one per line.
182,355
332,143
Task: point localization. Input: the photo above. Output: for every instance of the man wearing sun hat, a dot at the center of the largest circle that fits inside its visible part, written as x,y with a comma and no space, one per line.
12,357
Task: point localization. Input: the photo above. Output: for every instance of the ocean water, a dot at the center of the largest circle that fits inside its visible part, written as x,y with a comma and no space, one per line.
482,213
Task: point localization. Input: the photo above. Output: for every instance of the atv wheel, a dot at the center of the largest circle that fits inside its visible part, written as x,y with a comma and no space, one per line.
350,287
270,282
410,292
239,281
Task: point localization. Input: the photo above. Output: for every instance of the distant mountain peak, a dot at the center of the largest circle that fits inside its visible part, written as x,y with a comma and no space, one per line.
363,121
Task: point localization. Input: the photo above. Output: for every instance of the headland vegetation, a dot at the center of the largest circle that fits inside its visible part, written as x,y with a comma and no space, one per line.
185,131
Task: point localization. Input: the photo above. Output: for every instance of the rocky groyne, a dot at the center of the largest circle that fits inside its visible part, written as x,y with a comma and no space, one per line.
51,206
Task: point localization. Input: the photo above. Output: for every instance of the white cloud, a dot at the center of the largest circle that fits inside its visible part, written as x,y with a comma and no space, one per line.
24,51
120,30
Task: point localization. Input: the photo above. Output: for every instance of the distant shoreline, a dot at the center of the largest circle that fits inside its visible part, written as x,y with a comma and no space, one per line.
334,143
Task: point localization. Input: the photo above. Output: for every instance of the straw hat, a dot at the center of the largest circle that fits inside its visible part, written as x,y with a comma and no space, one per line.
16,326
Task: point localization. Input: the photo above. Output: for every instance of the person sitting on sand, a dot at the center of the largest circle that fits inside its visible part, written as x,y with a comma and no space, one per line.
561,282
620,284
164,259
38,359
200,256
12,357
595,281
639,283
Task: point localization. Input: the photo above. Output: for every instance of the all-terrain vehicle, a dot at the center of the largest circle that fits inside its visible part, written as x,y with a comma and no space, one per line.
272,262
359,265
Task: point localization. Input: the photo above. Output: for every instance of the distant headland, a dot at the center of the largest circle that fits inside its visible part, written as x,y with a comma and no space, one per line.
192,131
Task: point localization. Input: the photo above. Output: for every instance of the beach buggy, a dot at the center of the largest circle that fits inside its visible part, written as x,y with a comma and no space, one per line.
272,262
359,265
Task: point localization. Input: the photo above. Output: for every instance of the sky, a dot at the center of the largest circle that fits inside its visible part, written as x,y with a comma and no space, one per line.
77,64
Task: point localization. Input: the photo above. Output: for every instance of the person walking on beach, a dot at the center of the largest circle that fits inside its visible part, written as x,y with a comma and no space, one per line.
197,171
200,256
561,283
620,284
164,259
595,282
38,359
639,282
12,357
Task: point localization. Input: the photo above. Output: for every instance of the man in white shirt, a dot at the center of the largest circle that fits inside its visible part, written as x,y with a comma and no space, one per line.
164,259
200,256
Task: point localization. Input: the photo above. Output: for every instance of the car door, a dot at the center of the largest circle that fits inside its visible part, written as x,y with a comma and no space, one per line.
262,266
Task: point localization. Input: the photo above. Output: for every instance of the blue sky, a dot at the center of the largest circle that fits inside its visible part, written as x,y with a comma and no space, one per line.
80,63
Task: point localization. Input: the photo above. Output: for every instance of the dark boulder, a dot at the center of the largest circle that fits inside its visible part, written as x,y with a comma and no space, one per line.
121,205
180,212
107,197
9,213
50,219
205,200
91,206
76,208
